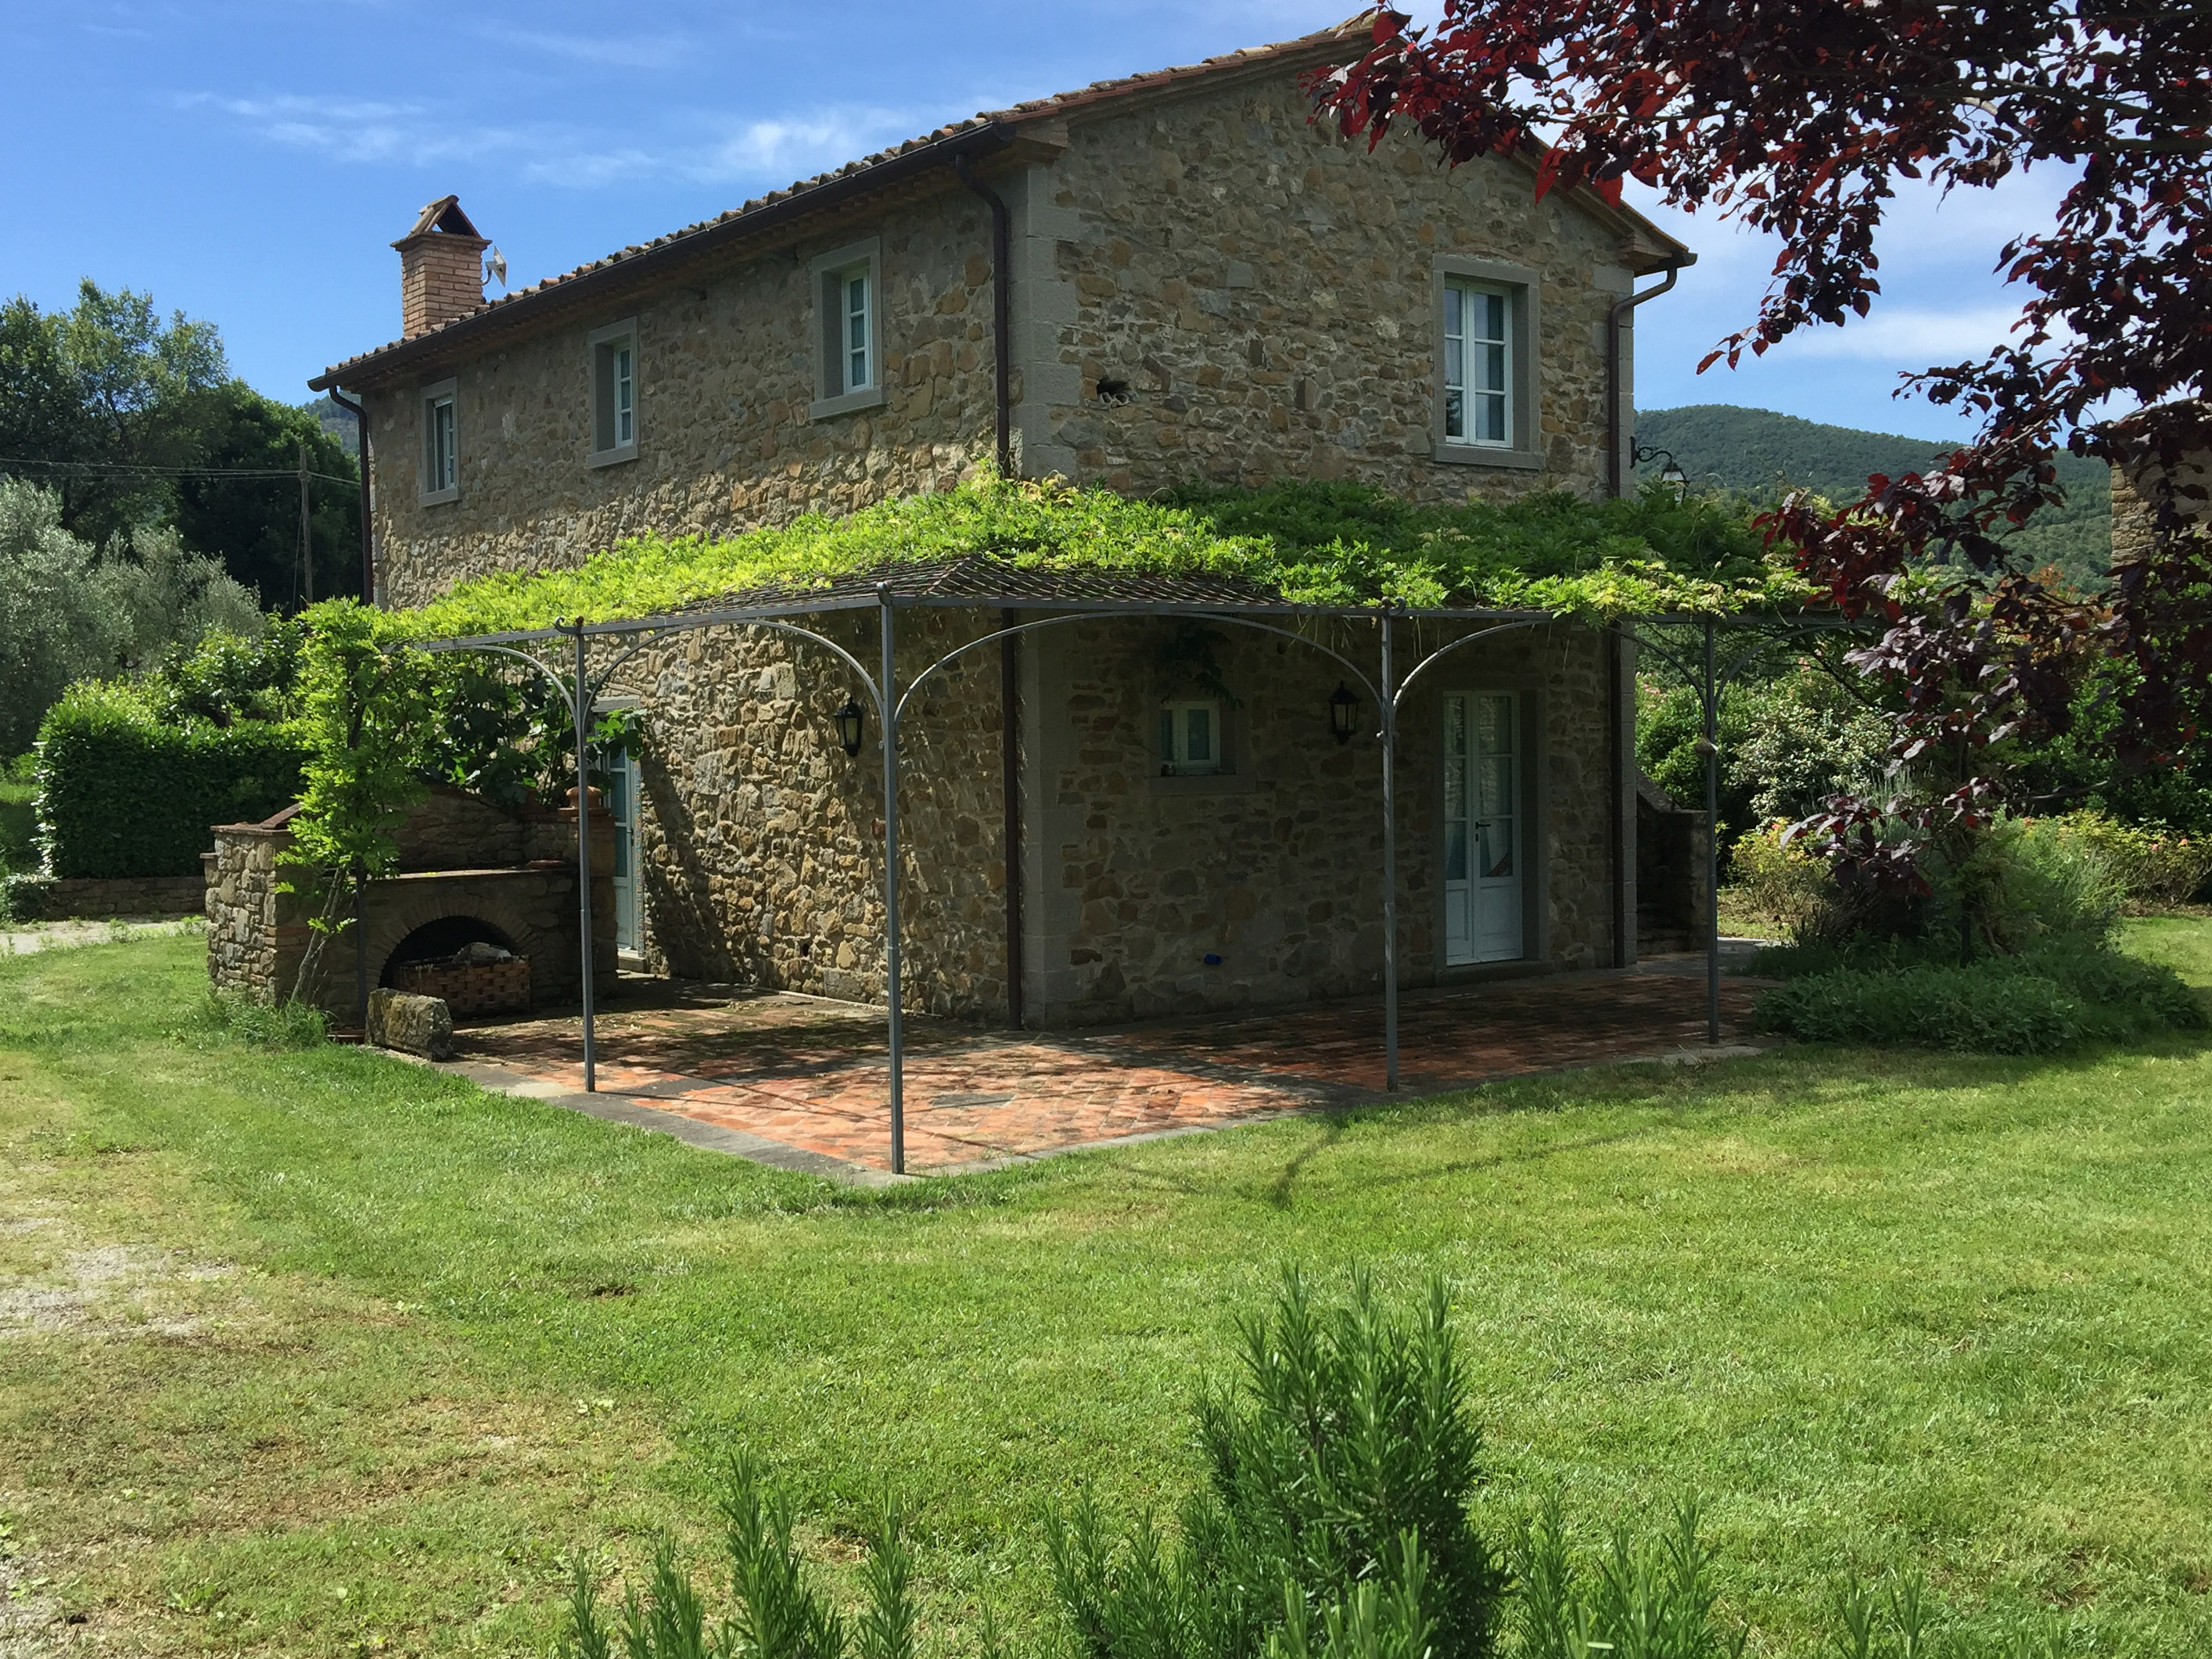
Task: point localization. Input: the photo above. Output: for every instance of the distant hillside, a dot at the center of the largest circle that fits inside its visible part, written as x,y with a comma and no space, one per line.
338,422
1758,453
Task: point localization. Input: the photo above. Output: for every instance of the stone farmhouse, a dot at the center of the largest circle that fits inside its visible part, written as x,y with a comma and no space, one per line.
1171,276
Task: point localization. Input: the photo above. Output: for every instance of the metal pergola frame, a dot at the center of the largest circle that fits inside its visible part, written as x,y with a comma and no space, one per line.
582,687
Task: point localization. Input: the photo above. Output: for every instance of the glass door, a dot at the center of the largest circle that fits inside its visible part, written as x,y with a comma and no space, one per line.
620,771
1482,827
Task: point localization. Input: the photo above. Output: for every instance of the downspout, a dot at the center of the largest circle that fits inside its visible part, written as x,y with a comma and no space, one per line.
1002,306
1613,319
1010,749
1616,723
368,519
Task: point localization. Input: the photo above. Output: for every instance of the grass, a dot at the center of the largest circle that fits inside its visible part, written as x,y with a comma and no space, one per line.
338,1355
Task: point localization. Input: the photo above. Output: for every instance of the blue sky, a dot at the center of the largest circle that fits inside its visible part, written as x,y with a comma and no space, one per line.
250,160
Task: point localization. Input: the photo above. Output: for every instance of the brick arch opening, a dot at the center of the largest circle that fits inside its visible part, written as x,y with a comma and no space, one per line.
440,937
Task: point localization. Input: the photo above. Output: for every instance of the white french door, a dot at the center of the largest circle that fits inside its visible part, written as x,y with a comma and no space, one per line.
1483,855
621,798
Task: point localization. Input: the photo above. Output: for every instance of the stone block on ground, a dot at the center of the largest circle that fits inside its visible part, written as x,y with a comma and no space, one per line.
412,1024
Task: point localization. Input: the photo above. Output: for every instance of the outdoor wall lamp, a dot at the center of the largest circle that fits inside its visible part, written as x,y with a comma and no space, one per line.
1671,475
1343,713
849,726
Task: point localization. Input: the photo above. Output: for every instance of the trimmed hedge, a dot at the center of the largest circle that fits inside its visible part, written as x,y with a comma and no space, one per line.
122,793
2038,1003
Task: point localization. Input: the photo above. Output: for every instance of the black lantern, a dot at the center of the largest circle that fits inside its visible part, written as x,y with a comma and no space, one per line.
848,725
1343,713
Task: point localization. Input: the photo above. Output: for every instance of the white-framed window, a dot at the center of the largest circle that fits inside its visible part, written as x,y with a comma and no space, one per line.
441,477
1478,364
614,393
1190,738
848,305
1488,387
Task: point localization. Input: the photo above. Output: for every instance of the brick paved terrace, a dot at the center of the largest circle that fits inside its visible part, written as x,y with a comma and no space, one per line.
808,1076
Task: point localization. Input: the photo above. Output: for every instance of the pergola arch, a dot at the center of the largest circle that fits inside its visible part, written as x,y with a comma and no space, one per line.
1388,687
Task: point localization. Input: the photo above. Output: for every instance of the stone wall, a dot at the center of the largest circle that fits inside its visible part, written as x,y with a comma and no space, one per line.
726,373
59,898
1262,292
257,936
763,859
2132,512
1135,879
1263,295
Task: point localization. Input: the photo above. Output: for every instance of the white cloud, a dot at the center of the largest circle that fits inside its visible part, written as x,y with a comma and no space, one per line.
608,52
361,130
1909,335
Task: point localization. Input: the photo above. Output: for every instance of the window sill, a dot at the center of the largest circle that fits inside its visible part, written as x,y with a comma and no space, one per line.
611,457
826,409
1204,783
1525,460
439,497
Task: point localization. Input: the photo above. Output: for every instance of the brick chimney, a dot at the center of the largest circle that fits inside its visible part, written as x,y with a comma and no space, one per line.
440,268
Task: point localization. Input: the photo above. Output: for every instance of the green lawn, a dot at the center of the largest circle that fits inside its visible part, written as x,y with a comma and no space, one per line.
320,1353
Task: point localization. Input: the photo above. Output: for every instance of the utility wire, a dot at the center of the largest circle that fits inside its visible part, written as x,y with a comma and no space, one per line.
126,469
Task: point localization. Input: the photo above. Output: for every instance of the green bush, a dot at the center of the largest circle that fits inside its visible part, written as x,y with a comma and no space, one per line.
1784,885
123,794
2154,868
1338,1476
2040,1002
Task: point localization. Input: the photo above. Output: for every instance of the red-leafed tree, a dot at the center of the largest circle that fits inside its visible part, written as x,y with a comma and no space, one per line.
1800,118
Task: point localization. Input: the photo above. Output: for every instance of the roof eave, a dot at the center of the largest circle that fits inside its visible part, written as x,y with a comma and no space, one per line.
377,368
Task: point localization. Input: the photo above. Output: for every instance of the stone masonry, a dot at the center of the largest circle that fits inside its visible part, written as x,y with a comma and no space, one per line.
258,934
764,839
1203,286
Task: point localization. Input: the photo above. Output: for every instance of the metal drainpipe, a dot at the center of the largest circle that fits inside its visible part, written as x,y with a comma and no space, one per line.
367,522
1619,310
1002,305
1617,744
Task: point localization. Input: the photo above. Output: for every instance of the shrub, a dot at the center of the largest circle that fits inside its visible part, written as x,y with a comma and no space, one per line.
2040,1002
1784,884
122,793
1649,1596
2154,868
1337,1481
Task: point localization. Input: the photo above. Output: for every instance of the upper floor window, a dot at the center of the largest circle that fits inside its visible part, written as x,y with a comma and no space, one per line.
440,475
614,393
847,297
1478,364
1488,389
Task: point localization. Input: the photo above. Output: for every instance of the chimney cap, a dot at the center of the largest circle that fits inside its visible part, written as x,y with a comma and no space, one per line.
443,217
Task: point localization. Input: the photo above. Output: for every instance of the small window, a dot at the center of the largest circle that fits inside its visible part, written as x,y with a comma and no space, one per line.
1478,365
848,298
1190,738
614,394
441,460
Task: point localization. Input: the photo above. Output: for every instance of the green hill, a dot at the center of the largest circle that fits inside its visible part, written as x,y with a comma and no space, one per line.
1758,453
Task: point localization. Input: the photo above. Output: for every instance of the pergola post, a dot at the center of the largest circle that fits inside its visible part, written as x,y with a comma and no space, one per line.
580,699
1389,700
891,707
1712,747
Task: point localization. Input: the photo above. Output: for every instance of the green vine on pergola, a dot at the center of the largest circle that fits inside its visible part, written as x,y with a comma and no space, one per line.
384,716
